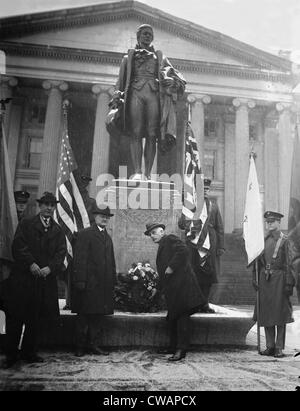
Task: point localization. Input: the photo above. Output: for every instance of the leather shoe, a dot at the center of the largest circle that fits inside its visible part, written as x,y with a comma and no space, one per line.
9,362
207,310
278,353
32,358
97,351
165,351
269,352
179,354
79,352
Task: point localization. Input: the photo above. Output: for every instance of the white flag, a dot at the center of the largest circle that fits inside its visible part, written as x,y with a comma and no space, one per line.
253,226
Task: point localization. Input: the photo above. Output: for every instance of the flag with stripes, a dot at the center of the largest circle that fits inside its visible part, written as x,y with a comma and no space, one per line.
193,184
71,213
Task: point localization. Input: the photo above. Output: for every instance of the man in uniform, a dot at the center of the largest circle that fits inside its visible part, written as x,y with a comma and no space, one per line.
39,249
179,285
205,240
21,199
150,86
93,280
276,282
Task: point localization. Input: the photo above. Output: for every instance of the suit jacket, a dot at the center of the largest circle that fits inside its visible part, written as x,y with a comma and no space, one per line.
94,266
183,295
33,244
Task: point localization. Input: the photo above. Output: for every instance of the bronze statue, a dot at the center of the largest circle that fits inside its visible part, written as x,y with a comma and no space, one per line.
148,87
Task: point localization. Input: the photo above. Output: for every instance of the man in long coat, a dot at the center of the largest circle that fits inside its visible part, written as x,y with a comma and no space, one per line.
276,282
206,245
39,250
150,86
179,285
93,281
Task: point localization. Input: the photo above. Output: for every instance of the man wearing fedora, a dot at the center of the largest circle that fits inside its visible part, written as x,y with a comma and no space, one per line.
205,240
179,285
39,250
93,281
276,282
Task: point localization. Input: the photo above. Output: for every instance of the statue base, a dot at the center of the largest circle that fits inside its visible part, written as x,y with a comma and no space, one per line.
134,204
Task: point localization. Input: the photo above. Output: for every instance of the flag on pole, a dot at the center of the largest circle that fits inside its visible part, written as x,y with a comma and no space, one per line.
253,225
294,209
8,211
193,184
71,213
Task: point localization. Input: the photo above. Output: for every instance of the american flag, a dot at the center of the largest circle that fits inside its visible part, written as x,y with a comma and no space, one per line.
71,213
193,184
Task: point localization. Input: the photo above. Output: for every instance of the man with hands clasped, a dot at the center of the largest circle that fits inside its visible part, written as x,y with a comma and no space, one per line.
39,250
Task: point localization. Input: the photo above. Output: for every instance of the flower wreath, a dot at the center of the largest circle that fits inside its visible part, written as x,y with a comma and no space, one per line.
136,290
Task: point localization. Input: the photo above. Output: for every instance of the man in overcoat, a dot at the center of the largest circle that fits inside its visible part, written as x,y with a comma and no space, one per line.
94,277
179,285
205,240
150,86
39,250
276,282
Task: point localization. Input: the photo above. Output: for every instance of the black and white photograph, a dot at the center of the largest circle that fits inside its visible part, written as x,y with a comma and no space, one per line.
149,198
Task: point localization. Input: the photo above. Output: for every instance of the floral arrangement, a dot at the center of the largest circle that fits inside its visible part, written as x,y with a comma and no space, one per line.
136,290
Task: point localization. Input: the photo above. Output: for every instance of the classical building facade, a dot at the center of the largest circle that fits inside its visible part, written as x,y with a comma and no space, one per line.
241,100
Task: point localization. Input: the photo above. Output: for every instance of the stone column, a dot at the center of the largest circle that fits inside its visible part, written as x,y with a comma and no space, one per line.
220,133
229,178
52,135
285,157
241,157
101,145
271,167
6,85
198,102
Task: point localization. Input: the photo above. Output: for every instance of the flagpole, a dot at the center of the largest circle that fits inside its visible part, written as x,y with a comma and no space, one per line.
257,306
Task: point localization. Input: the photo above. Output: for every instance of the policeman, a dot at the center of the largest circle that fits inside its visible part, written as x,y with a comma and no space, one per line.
21,199
276,282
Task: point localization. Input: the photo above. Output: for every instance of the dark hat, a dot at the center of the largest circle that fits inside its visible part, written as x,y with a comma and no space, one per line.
151,226
273,215
207,182
47,198
21,196
102,209
86,177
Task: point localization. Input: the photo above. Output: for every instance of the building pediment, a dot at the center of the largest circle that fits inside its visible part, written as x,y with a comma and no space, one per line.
110,28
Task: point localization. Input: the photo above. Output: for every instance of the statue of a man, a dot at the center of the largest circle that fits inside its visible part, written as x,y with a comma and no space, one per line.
150,86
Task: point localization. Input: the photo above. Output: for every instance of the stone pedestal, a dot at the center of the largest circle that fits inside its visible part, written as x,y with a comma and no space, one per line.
134,204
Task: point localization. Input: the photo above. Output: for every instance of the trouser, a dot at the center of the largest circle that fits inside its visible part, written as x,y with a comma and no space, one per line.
179,330
14,327
280,337
205,288
87,329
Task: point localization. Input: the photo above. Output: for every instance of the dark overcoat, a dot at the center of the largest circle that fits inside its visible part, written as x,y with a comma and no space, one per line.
94,266
183,295
274,305
28,295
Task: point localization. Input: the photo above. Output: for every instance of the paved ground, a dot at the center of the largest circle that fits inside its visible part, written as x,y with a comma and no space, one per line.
221,370
211,368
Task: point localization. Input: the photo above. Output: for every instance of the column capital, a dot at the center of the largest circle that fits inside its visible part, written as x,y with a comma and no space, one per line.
243,102
8,81
101,88
203,98
52,84
281,107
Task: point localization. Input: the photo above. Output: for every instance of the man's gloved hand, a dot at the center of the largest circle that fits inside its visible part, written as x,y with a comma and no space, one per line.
45,271
80,286
288,290
220,251
168,271
35,270
255,285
